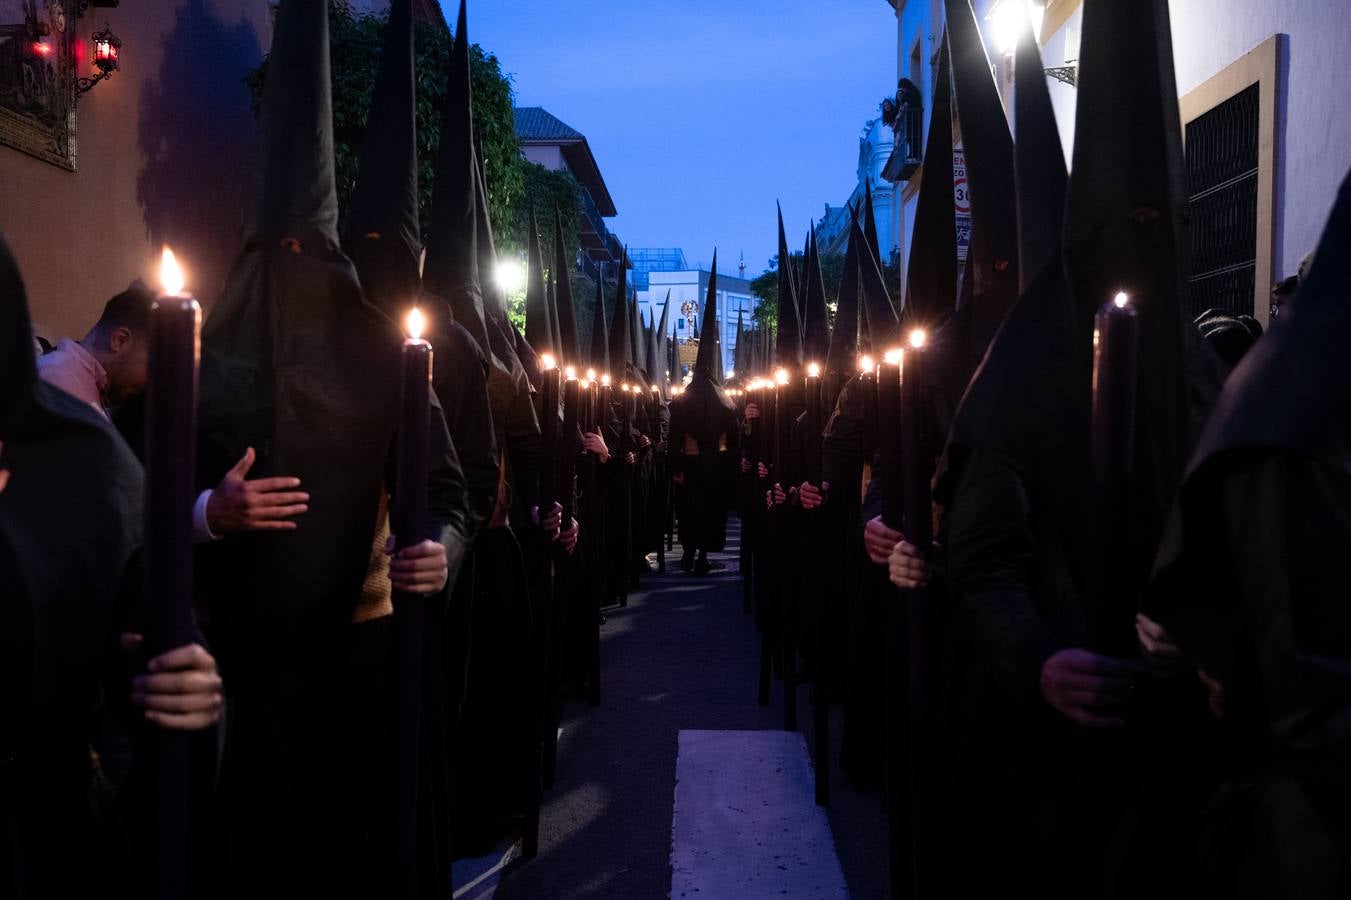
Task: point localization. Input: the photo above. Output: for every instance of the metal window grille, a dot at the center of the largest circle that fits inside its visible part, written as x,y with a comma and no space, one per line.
1221,166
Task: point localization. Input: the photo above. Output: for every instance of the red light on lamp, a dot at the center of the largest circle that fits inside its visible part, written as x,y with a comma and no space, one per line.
107,47
41,48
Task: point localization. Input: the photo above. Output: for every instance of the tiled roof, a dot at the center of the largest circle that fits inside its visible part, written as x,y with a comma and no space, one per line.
534,123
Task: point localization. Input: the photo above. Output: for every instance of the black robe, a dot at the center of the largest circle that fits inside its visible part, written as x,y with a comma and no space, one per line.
705,444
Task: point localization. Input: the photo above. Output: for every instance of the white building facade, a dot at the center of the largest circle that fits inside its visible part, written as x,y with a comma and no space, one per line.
688,290
1266,68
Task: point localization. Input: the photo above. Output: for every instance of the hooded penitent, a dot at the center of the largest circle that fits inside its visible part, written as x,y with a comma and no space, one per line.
453,270
296,363
539,326
652,360
841,358
619,349
788,348
1251,578
993,255
815,326
931,288
870,218
381,234
566,336
665,346
599,357
739,363
883,326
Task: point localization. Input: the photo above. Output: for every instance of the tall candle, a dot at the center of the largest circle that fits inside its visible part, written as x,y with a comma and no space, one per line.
811,438
868,386
568,467
753,439
548,423
780,418
1116,338
170,470
607,406
889,439
916,474
408,521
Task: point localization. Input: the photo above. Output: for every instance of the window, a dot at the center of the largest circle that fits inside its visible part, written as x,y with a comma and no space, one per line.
1229,129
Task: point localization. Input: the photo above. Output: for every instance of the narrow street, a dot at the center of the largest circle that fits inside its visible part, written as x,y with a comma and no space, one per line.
679,668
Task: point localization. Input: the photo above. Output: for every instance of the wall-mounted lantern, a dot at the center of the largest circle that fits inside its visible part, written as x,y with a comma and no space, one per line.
107,49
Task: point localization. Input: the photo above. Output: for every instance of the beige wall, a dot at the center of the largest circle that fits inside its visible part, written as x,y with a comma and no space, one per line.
164,155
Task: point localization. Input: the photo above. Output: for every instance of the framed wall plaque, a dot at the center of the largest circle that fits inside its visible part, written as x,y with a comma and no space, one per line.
37,78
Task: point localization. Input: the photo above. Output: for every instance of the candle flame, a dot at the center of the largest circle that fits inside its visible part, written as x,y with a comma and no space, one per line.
590,374
547,361
415,323
605,381
893,356
866,363
655,389
781,376
918,339
1121,299
585,385
570,372
813,370
170,273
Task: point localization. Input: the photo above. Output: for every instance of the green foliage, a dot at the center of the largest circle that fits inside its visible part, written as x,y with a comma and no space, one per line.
765,287
355,40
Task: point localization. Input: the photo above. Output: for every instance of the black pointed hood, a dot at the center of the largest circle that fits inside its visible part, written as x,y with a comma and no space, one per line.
788,348
568,346
931,279
870,222
295,362
989,163
454,269
382,234
1125,229
708,363
501,340
815,318
882,323
665,346
1039,163
538,317
840,361
619,324
635,340
651,358
739,351
599,357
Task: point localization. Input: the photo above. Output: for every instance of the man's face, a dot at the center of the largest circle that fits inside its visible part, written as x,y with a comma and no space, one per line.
128,361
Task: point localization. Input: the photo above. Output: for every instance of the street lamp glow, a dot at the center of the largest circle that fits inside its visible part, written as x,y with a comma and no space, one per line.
510,275
1006,21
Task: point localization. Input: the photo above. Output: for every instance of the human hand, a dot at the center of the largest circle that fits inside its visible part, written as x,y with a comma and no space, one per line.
567,538
906,568
263,504
552,522
752,411
745,465
879,541
644,441
419,569
761,470
1162,655
592,442
1216,694
779,496
180,690
812,496
1089,688
631,458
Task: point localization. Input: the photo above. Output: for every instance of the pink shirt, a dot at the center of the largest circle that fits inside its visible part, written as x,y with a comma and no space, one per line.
74,370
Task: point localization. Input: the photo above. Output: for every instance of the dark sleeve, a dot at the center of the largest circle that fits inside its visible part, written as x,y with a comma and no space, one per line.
462,386
523,452
990,561
794,467
447,495
675,446
663,424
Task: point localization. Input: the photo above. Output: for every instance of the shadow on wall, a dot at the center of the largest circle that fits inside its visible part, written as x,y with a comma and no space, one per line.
196,139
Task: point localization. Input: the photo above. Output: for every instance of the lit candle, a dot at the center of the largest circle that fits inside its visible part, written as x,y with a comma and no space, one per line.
408,522
548,423
1116,337
606,402
812,423
915,470
889,438
868,385
780,416
170,470
571,439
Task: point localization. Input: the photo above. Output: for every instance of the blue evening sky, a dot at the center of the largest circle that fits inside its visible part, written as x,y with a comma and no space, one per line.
702,112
